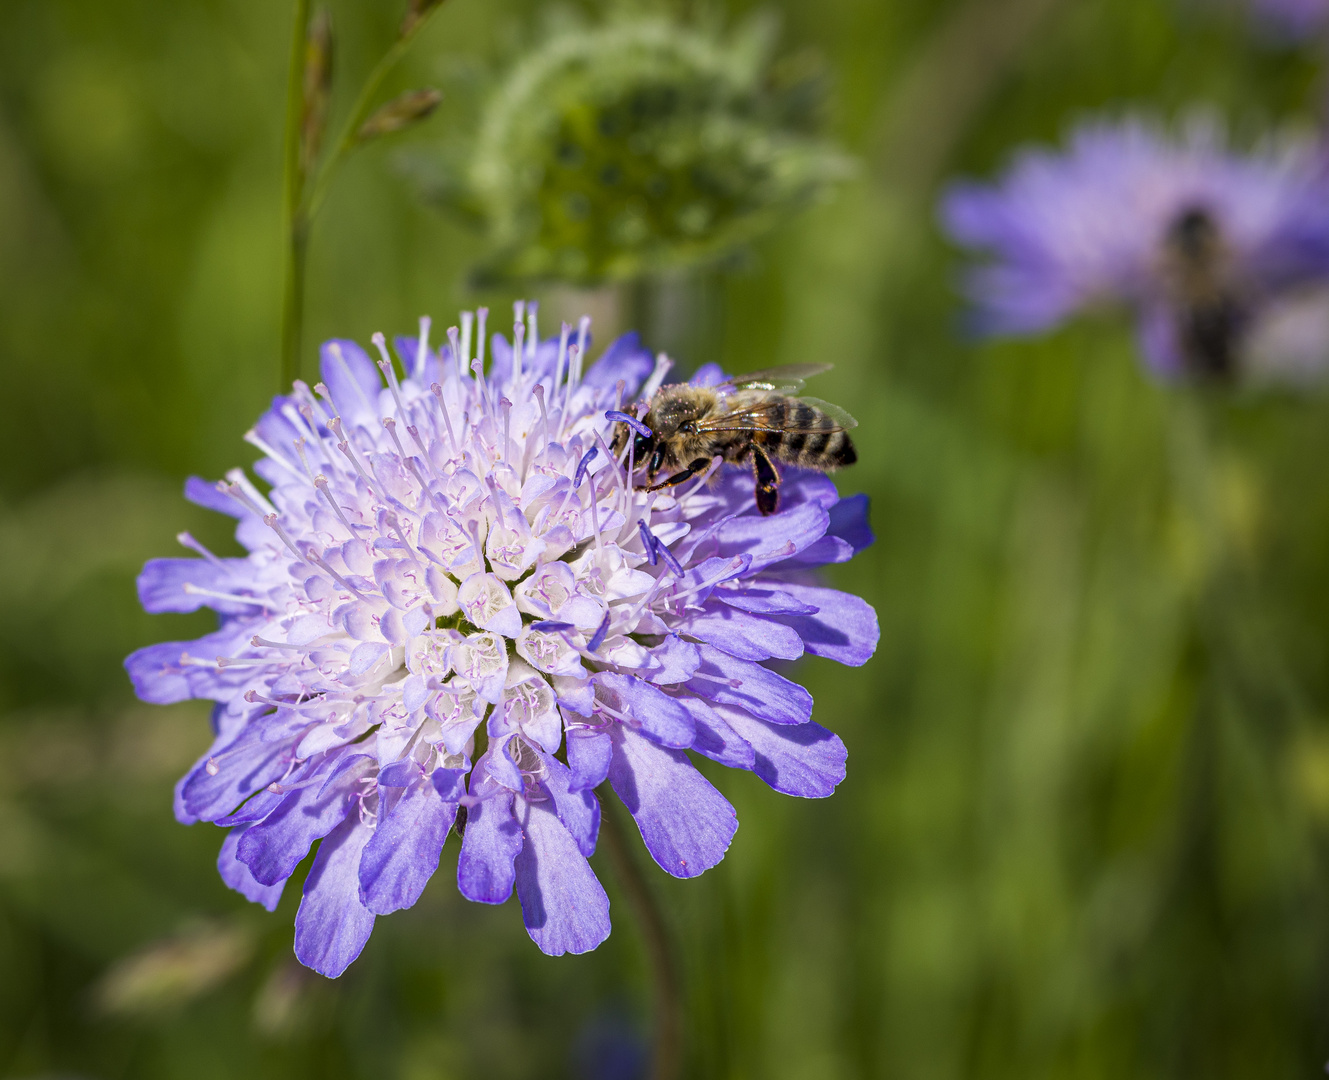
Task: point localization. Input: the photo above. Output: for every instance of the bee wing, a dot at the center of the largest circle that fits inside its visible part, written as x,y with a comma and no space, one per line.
786,378
756,417
842,419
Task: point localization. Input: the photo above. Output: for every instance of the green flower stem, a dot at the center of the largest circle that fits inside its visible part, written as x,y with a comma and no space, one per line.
667,1055
302,201
293,304
294,223
360,111
1228,598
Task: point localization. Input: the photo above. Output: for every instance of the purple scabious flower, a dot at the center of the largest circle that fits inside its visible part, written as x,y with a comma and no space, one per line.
457,609
1291,20
1198,241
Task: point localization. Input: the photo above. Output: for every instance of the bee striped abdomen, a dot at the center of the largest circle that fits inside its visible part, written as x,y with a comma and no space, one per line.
809,438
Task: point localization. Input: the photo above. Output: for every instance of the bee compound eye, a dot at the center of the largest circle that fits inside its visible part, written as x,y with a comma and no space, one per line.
642,447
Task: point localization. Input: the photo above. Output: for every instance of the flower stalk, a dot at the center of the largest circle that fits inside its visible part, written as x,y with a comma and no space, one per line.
667,1053
306,183
294,224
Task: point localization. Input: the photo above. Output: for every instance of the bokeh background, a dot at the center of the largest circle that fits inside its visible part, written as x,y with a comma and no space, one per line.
1084,832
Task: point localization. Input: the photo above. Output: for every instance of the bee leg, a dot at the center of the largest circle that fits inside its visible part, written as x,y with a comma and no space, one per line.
701,464
768,481
653,469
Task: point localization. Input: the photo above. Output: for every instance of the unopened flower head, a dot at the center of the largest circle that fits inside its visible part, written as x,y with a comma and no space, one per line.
458,610
615,150
1206,246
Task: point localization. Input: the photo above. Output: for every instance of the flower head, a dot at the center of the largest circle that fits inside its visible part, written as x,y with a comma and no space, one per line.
458,610
614,150
1200,242
1291,20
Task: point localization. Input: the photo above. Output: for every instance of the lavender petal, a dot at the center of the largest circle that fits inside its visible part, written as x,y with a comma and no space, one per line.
685,823
403,854
563,905
332,925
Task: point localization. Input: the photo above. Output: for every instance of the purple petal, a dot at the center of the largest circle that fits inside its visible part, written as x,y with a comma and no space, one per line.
253,809
752,687
589,754
750,637
677,658
266,801
562,903
715,738
247,767
274,847
500,359
403,854
332,925
708,375
488,846
849,521
498,762
827,550
420,366
402,773
576,695
237,876
275,430
449,783
161,586
844,628
160,678
771,539
685,822
806,760
352,379
578,809
204,493
660,716
625,359
764,601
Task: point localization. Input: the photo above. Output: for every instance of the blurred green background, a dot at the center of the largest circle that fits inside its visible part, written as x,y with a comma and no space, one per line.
1084,830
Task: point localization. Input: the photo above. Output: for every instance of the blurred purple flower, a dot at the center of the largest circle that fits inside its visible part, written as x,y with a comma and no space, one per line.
453,609
609,1047
1201,243
1291,19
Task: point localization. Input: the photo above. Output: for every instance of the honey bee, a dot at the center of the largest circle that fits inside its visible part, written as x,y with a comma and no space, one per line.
755,417
1209,313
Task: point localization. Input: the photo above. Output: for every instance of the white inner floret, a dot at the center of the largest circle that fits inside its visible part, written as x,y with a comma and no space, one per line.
443,551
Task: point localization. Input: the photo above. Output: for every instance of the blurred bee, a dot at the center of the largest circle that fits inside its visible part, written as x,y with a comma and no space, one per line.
756,416
1210,316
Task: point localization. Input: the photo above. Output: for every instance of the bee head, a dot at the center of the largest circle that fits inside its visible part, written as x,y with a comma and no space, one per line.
1194,234
644,442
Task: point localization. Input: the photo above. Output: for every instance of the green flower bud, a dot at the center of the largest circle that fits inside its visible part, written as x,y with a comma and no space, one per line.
416,14
317,87
402,111
638,146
